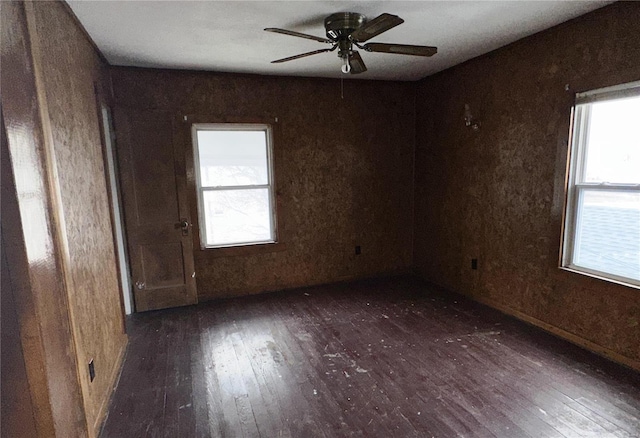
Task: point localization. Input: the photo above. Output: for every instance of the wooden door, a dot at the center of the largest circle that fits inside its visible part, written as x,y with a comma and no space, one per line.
157,221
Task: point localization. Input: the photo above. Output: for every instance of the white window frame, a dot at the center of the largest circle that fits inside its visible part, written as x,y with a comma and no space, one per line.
577,168
267,129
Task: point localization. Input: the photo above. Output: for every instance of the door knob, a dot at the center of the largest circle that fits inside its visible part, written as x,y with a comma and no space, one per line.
184,226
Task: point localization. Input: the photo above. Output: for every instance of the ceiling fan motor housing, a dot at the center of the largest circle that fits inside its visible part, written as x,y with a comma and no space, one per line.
339,26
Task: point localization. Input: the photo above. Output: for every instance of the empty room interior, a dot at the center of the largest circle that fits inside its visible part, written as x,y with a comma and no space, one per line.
320,219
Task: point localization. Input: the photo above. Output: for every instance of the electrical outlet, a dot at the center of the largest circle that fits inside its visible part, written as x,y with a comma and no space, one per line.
92,370
358,250
474,263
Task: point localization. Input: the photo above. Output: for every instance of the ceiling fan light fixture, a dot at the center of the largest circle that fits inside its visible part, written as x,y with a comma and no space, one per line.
346,67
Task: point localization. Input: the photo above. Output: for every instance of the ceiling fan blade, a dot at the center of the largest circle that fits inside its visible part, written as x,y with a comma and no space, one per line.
381,23
401,49
302,55
297,34
356,63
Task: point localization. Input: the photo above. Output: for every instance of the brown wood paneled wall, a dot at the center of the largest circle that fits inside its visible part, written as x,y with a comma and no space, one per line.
59,231
32,241
497,194
72,71
343,171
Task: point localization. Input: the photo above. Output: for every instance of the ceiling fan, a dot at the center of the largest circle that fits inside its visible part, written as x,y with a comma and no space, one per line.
348,29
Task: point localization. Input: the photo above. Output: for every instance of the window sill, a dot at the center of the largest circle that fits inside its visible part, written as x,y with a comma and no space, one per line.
244,250
600,277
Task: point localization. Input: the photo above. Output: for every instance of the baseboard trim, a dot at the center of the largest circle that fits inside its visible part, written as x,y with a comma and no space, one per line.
581,342
573,338
235,293
114,379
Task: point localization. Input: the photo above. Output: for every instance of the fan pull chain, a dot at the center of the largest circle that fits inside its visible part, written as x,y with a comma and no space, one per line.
342,87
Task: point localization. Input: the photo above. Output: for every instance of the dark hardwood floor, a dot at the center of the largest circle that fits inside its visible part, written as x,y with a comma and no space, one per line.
378,358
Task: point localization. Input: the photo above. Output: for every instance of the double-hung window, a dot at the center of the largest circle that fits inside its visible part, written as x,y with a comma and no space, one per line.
234,179
602,228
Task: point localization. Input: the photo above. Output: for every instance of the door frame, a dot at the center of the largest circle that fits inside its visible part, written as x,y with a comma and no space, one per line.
112,180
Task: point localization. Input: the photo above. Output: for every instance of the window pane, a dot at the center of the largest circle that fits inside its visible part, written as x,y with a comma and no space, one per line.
608,232
613,143
237,216
232,158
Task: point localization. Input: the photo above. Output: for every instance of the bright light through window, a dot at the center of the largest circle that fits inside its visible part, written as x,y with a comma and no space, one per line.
613,143
603,209
235,196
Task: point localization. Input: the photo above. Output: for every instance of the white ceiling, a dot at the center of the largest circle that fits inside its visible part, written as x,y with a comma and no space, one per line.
228,36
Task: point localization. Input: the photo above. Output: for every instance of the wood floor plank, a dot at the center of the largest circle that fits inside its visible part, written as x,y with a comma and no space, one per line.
225,376
325,401
291,383
394,376
178,416
340,365
376,358
199,389
390,341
